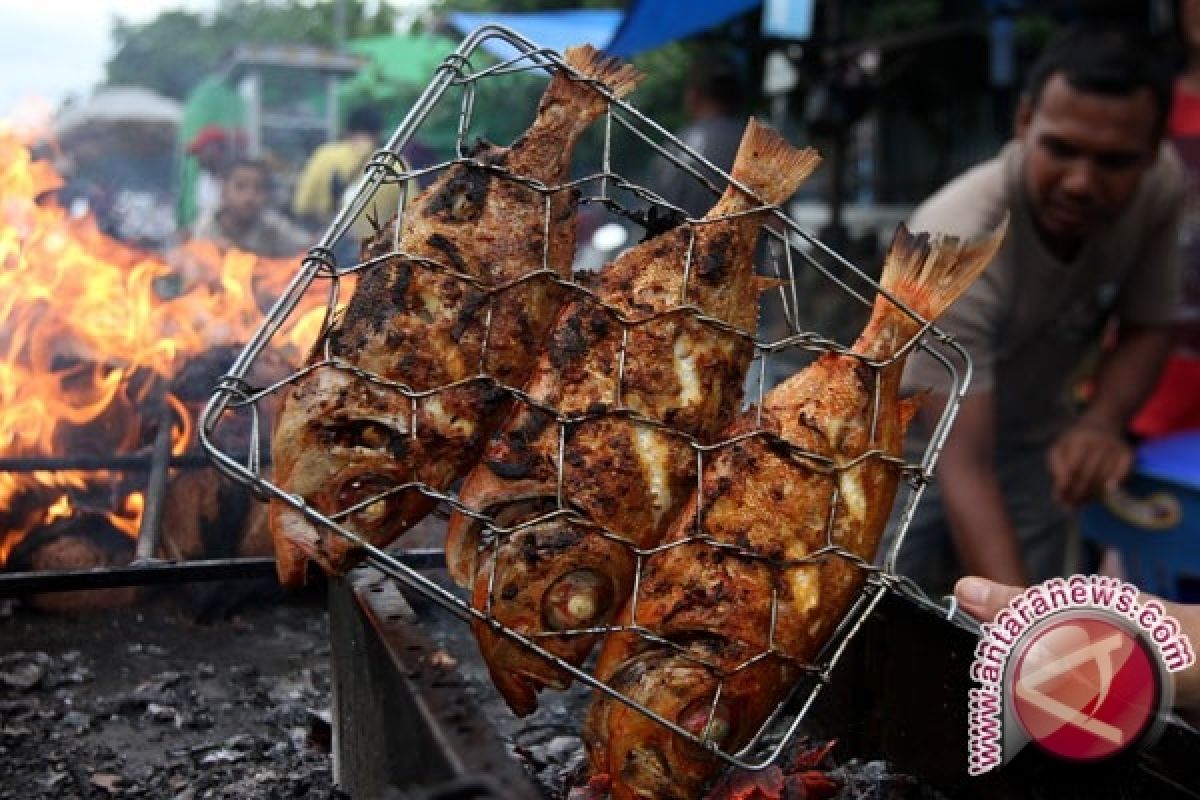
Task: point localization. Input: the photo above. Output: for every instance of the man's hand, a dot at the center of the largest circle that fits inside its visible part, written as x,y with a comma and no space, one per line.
984,599
1085,461
1091,456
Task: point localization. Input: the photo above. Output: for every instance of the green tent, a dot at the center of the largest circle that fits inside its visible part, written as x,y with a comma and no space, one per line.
398,69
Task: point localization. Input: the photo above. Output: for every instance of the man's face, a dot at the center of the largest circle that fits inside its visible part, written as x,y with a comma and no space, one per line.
1085,154
214,155
244,194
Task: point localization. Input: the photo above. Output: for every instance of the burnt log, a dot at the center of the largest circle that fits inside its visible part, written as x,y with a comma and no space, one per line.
83,541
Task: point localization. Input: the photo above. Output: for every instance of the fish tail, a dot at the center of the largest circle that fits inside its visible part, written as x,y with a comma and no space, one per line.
769,166
929,273
618,77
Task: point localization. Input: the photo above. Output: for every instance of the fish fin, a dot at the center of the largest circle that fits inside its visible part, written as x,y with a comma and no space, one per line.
590,63
769,166
929,273
909,407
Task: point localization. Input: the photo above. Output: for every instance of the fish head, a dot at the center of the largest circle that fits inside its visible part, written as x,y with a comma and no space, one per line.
555,581
646,759
340,446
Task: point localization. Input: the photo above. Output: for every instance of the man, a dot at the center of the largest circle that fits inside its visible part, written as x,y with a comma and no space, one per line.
334,167
1094,206
213,148
244,221
713,100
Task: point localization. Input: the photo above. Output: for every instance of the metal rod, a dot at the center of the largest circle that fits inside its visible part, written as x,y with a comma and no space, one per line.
126,463
150,530
144,574
161,572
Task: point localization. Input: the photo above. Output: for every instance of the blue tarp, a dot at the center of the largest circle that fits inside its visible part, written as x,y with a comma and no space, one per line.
653,23
556,30
646,25
1174,458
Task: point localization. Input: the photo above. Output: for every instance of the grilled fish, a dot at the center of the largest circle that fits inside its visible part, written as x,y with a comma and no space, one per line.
618,367
753,588
350,446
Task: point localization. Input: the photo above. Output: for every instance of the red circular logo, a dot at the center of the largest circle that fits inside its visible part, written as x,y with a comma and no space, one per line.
1084,687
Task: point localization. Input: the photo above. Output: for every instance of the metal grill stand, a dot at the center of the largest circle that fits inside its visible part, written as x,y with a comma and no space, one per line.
792,251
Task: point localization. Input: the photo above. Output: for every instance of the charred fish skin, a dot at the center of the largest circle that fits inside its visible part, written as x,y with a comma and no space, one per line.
441,327
796,503
638,378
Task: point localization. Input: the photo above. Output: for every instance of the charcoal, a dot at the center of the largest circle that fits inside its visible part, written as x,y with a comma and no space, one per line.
77,721
23,671
162,723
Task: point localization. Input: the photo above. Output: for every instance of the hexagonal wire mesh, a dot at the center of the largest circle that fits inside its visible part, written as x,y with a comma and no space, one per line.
807,271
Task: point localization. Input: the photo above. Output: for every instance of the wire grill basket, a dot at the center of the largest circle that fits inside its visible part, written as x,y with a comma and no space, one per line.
810,274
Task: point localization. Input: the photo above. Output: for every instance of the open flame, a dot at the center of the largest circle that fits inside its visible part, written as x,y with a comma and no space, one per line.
90,327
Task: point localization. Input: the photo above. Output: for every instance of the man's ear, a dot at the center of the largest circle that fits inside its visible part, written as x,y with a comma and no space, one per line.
1023,117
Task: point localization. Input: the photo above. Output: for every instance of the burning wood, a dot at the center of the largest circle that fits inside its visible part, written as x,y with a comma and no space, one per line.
91,329
81,541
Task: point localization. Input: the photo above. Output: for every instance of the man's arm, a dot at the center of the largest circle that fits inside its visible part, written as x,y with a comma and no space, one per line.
1092,456
974,504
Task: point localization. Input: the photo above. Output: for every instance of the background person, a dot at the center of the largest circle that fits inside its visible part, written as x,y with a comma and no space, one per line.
713,98
334,167
214,148
243,219
1094,202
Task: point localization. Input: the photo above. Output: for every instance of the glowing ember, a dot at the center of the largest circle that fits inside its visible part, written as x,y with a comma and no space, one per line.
807,777
92,326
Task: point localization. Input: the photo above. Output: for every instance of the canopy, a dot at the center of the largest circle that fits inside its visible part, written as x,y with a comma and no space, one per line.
556,30
646,25
652,23
120,105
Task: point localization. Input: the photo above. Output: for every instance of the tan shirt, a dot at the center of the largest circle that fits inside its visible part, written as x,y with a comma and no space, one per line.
1032,320
273,235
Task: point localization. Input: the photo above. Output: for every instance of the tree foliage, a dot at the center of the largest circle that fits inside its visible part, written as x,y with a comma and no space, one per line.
172,52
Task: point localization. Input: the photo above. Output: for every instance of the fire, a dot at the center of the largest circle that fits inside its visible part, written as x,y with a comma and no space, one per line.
130,516
60,509
93,331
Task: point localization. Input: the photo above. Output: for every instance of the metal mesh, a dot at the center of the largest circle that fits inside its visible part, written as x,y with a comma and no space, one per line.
806,268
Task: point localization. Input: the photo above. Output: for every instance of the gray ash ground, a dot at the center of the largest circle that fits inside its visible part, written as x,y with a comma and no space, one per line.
145,702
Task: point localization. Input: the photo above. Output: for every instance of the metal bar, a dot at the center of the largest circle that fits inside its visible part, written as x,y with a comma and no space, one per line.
126,463
144,574
150,529
159,572
400,719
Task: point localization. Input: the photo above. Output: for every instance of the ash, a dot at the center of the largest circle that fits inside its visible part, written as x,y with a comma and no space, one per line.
144,702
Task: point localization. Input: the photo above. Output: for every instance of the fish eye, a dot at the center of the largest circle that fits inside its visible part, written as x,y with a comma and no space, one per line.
360,489
366,433
578,599
374,435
